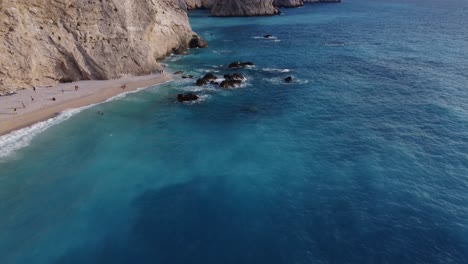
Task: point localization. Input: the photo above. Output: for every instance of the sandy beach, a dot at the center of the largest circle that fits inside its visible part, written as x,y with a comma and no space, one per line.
35,106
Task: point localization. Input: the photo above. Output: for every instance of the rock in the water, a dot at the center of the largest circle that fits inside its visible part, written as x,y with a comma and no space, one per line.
201,82
197,42
187,97
232,83
288,79
239,64
187,76
178,72
206,79
268,36
236,76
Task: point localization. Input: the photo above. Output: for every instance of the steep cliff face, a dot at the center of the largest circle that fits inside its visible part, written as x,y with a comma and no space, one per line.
243,8
204,4
288,3
43,42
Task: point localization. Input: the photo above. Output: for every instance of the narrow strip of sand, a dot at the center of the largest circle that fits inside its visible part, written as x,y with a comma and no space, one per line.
30,106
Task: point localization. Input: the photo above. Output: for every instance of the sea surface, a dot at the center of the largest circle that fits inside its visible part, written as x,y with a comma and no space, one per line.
363,158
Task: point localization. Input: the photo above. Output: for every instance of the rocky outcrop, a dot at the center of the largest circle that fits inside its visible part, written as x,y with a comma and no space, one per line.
187,97
244,8
288,3
238,64
197,42
209,77
43,41
196,4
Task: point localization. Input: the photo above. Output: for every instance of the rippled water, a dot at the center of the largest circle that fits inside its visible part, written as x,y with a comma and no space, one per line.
362,159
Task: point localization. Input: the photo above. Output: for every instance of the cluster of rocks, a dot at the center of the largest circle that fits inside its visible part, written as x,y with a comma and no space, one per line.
233,80
230,80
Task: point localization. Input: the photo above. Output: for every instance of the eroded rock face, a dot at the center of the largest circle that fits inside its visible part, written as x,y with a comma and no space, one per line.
244,8
204,4
43,41
197,42
288,3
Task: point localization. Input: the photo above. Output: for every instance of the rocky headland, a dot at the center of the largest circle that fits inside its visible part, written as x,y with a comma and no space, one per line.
43,43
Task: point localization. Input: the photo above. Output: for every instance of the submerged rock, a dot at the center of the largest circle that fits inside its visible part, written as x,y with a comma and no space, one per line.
238,64
187,97
288,79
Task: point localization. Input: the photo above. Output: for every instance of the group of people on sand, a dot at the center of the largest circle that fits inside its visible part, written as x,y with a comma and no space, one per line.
15,110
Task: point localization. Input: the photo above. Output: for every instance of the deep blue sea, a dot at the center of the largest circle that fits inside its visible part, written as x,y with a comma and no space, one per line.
363,158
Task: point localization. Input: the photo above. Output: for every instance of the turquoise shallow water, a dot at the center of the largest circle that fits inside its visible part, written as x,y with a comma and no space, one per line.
362,159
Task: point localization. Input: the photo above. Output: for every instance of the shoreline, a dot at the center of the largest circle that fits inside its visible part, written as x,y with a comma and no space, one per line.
43,107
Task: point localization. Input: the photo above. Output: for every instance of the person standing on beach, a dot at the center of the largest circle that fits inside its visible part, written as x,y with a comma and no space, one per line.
76,88
32,98
63,90
34,88
14,110
24,106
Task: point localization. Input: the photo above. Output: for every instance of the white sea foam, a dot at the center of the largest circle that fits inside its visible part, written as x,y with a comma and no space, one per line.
278,81
21,138
263,37
276,70
222,52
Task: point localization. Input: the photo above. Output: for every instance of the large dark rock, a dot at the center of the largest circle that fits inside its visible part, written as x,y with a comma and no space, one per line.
232,83
206,79
187,97
288,79
238,64
235,76
197,42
